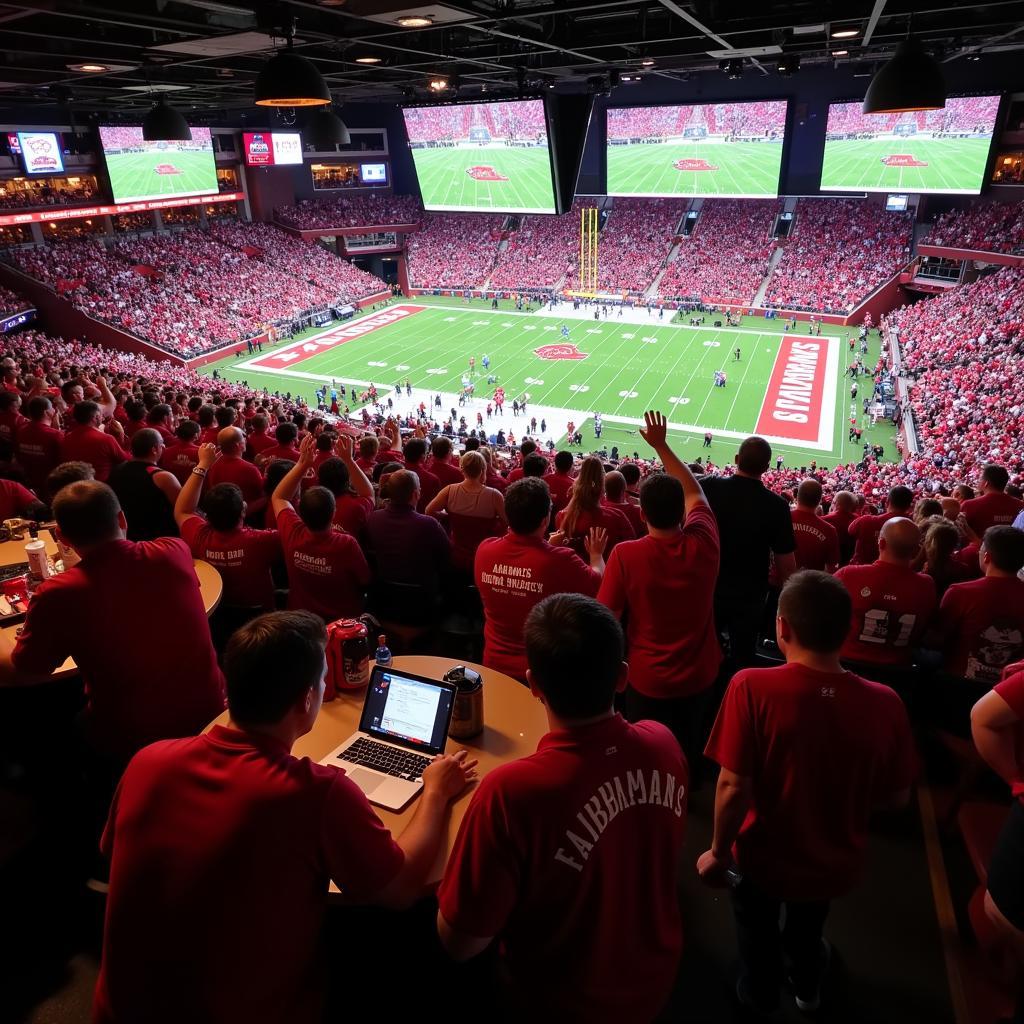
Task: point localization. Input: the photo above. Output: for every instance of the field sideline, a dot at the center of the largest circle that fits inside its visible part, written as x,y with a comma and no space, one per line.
626,368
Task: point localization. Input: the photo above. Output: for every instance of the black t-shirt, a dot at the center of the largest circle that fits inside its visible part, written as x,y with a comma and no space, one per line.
752,523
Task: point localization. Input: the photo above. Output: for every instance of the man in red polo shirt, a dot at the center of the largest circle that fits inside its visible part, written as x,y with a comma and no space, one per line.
993,506
664,585
258,440
243,557
560,481
440,463
817,543
982,622
85,442
865,529
615,497
892,604
231,819
232,468
327,570
132,617
842,513
548,839
38,446
285,448
807,751
515,572
11,419
181,457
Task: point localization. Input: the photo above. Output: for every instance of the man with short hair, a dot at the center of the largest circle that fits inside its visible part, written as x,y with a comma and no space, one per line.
327,570
807,750
243,557
285,448
615,497
753,525
526,448
258,441
842,512
993,506
146,492
86,442
515,572
150,671
233,819
232,468
982,622
817,542
161,419
892,604
38,443
415,454
560,481
548,838
440,463
866,529
535,465
663,584
182,456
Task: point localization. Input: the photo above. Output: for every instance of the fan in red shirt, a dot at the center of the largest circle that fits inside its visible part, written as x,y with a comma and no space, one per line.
536,864
615,497
17,501
993,507
38,446
585,510
327,570
982,622
664,585
841,514
560,481
182,456
817,542
258,441
243,557
517,571
892,604
415,459
353,492
441,465
286,434
85,442
233,819
11,419
807,751
232,468
865,529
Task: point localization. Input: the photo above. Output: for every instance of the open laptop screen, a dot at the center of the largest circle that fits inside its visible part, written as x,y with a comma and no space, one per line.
408,710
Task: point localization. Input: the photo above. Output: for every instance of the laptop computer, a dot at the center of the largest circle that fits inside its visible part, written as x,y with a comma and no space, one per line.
404,725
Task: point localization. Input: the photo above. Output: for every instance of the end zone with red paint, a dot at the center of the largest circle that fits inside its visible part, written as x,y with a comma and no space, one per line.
795,398
295,353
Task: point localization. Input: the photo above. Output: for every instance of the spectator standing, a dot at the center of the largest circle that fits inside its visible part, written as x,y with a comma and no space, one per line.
38,444
182,456
86,442
145,491
817,542
865,529
993,506
585,511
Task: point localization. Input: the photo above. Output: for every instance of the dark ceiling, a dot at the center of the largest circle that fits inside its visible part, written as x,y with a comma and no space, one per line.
207,53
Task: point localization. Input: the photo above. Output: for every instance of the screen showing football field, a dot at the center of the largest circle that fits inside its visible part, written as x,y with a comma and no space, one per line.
927,151
482,157
732,150
158,170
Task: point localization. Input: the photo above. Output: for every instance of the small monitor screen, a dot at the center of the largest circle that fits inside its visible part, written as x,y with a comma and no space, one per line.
269,149
373,172
896,204
40,152
287,147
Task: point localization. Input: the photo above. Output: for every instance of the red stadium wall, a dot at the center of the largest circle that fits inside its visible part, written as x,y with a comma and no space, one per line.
1004,259
890,296
269,187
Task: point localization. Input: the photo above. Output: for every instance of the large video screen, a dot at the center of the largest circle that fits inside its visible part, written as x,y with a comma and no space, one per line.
158,170
482,157
40,152
929,151
733,150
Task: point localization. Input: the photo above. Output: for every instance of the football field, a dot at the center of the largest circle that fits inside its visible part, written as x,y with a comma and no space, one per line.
485,178
787,387
911,163
150,175
729,169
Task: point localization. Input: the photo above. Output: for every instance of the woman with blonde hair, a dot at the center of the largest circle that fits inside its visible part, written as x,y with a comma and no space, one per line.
586,510
474,511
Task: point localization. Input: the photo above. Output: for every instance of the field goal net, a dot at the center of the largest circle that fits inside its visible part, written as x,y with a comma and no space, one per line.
589,232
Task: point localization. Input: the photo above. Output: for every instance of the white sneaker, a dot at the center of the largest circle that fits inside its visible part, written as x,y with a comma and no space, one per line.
809,1002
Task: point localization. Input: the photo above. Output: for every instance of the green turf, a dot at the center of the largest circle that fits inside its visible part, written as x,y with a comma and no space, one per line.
954,165
133,175
622,375
748,169
445,183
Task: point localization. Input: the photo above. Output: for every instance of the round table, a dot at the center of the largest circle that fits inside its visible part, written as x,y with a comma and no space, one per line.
514,722
211,586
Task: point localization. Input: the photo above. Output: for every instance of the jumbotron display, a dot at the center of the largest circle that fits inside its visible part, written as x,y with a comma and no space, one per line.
142,170
482,157
928,151
732,150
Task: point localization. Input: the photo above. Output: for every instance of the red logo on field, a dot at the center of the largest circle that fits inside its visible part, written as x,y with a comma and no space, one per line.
485,172
694,165
166,169
560,351
902,160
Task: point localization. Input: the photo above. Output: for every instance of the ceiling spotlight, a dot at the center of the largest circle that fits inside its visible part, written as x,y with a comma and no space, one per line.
788,64
439,84
93,69
647,62
368,60
974,56
290,80
911,80
165,124
732,68
840,53
845,33
416,21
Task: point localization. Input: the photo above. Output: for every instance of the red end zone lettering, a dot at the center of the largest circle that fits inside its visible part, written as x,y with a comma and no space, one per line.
792,404
300,350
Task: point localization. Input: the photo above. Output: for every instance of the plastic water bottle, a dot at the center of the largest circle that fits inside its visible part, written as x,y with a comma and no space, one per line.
383,655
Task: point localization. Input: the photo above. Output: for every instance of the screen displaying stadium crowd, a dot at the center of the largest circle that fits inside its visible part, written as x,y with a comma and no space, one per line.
731,120
972,115
504,121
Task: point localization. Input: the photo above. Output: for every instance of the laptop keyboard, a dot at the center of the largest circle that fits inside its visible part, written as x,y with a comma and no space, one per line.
387,759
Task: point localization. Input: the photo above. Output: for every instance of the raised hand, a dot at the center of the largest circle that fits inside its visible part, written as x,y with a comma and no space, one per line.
307,450
343,447
208,455
596,541
655,429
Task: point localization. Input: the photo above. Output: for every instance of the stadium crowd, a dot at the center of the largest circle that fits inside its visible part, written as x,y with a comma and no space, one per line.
726,257
350,212
840,250
453,250
992,227
540,252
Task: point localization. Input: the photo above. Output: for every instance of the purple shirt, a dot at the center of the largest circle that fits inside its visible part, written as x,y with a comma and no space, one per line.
407,547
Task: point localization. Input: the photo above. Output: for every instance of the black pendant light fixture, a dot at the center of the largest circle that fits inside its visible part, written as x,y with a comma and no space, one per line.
325,129
290,80
912,80
165,124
